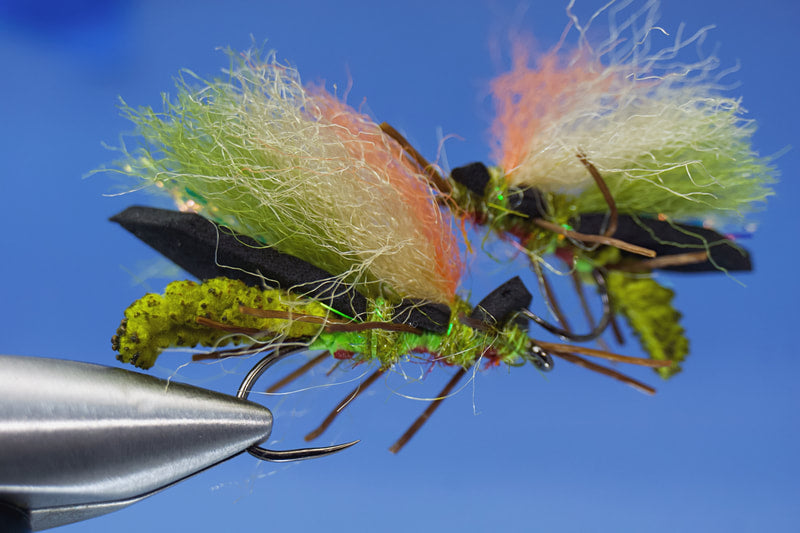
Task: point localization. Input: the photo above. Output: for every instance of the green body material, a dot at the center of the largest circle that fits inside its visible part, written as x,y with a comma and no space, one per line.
647,306
155,323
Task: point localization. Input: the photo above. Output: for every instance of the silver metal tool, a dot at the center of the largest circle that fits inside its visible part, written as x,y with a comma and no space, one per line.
79,440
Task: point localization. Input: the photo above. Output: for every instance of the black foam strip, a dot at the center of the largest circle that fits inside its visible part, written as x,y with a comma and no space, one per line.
206,251
423,315
530,202
474,176
500,304
725,253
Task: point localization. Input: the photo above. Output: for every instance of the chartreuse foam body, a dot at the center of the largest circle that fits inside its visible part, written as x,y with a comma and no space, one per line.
157,322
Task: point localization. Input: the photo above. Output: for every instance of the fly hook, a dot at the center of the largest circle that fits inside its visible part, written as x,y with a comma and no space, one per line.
600,279
540,358
280,456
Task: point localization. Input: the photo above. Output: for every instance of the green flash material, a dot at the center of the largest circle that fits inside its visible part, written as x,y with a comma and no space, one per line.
494,210
157,322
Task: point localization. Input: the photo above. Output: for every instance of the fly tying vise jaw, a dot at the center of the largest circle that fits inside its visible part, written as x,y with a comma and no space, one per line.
79,440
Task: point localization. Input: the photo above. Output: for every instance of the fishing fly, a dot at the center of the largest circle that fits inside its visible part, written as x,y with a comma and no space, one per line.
613,155
312,228
309,317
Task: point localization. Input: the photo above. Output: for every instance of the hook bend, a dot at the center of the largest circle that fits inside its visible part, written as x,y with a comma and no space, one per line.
280,456
597,331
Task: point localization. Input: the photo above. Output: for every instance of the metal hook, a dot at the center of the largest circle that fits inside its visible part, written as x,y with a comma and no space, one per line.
542,360
600,279
280,456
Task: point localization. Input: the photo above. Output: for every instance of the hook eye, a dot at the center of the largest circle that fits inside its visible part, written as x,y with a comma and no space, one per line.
598,330
542,360
280,456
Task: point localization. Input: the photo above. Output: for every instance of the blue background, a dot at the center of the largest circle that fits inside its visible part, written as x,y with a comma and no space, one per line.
714,450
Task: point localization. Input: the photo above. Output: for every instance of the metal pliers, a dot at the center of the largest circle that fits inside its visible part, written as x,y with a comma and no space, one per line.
79,440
